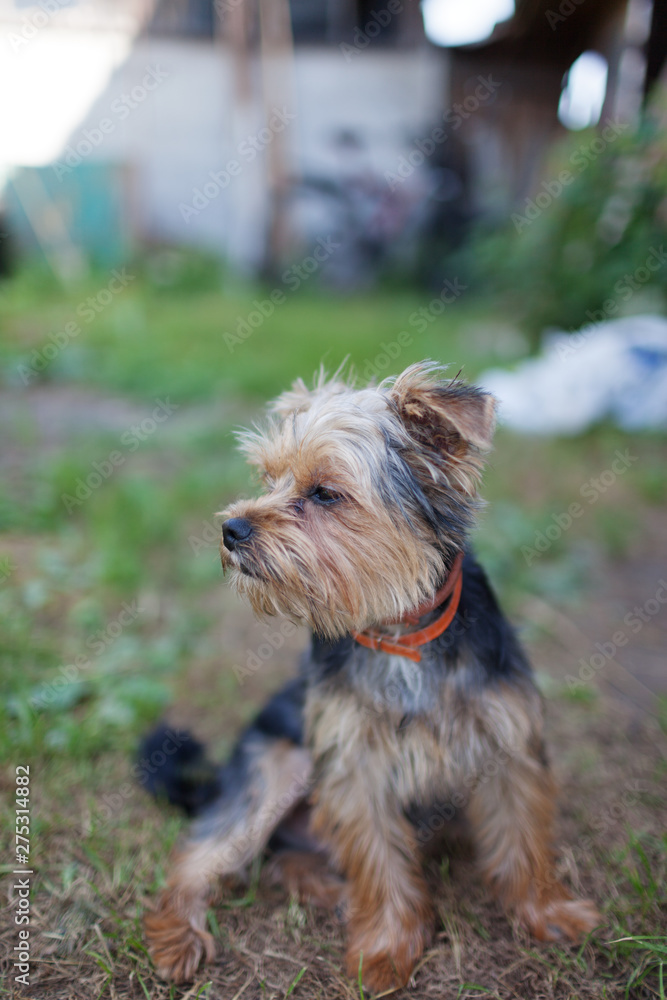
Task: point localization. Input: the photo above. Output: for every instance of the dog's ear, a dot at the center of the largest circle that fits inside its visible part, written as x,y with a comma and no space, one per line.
451,423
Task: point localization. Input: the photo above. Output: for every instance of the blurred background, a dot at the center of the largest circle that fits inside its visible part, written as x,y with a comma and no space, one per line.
201,201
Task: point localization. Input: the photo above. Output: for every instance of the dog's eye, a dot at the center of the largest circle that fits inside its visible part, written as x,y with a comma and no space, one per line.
322,495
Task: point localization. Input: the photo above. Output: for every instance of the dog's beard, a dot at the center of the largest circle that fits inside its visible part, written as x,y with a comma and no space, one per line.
268,599
334,591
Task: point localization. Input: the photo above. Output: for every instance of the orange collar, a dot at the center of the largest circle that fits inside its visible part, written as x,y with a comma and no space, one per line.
403,644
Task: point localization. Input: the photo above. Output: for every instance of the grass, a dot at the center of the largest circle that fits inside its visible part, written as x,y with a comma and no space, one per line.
643,864
113,611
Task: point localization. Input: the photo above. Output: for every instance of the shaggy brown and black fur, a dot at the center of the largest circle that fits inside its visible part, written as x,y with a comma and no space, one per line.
369,494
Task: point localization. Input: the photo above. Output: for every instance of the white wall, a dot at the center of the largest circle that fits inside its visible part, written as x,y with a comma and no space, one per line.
183,121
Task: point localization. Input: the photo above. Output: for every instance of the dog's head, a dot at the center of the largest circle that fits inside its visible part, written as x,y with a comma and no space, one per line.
368,495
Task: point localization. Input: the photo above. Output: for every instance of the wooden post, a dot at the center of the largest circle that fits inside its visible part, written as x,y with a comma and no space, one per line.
277,58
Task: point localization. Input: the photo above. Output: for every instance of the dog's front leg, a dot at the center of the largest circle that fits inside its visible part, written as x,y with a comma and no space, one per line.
390,914
512,823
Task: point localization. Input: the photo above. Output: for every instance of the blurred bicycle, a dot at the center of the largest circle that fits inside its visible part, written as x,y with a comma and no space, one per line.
382,230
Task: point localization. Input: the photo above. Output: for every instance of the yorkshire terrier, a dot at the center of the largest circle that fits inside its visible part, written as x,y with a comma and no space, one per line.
415,694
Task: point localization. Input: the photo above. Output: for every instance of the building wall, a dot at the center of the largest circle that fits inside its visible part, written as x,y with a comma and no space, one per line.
174,115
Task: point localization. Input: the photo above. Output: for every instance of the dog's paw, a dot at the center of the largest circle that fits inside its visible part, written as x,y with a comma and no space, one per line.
177,941
384,968
562,918
379,972
308,878
571,918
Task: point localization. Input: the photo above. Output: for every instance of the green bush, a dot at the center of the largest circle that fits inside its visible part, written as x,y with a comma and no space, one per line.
591,250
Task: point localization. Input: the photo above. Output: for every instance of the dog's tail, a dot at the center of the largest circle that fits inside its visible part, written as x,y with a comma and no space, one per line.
173,767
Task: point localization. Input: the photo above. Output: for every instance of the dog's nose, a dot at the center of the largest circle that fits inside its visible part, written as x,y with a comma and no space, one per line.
235,530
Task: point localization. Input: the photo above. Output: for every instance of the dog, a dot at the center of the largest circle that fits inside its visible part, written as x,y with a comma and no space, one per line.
415,694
